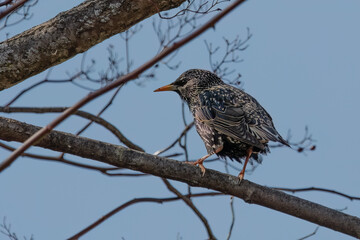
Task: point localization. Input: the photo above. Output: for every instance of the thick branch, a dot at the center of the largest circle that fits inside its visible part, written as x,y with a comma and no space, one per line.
69,33
12,130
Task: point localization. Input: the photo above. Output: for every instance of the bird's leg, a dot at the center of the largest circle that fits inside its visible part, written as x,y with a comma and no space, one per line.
201,160
249,151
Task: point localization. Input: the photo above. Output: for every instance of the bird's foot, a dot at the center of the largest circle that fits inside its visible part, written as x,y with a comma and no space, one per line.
201,166
200,163
241,176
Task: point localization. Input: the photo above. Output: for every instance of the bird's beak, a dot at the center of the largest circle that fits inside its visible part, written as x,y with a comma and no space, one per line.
166,88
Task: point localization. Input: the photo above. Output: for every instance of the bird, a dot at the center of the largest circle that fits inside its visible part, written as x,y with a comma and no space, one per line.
230,122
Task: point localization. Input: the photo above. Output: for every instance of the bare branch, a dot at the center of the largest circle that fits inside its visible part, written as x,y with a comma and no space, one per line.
186,129
109,171
98,115
79,113
230,55
17,15
5,228
192,206
183,144
294,190
311,234
46,80
130,76
102,110
6,2
232,217
132,202
12,130
183,23
203,8
14,5
304,145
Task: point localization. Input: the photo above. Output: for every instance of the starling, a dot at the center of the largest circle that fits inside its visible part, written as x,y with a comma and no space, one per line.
230,122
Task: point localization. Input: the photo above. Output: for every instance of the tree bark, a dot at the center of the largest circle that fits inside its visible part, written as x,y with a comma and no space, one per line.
12,130
69,33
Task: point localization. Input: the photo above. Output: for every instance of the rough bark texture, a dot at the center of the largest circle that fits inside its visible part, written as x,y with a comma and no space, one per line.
70,33
12,130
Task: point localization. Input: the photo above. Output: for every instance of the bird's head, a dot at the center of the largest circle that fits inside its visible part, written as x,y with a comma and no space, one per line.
192,82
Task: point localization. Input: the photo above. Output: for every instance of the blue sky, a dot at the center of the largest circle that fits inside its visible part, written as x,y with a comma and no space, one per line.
302,65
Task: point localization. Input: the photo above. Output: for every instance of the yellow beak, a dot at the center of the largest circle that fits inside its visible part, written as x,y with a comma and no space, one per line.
166,88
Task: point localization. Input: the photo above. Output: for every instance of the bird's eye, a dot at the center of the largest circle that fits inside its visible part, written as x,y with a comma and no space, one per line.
180,82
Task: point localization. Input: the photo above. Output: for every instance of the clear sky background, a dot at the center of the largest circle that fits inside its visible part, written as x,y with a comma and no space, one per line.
302,65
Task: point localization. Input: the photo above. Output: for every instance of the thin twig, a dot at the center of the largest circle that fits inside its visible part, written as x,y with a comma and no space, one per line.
104,170
184,145
230,55
232,217
46,80
311,234
134,201
192,206
5,228
6,2
186,129
13,7
198,10
79,113
98,115
101,111
294,190
304,145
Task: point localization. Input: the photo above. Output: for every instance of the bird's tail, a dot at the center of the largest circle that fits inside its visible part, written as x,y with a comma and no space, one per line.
283,141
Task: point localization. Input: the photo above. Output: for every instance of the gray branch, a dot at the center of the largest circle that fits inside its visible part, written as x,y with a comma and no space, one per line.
69,33
12,130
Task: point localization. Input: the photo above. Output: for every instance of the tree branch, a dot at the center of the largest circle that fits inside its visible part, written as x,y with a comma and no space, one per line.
12,130
79,113
232,217
131,202
69,33
308,189
108,171
192,206
186,129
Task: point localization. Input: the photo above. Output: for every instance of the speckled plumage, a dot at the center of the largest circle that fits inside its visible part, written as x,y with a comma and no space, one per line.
226,117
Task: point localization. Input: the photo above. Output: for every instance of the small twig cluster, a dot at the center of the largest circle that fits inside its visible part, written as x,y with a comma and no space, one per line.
5,228
199,8
220,62
169,29
15,11
306,144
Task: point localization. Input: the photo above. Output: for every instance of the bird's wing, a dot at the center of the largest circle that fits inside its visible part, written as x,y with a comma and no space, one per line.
243,120
230,122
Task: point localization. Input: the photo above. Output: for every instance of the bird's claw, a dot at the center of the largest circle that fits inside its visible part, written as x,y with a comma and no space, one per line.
201,166
241,177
